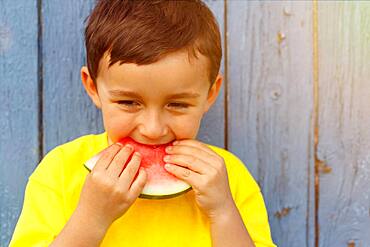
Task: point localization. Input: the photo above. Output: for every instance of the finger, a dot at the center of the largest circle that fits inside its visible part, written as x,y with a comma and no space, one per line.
128,174
138,184
189,161
193,151
117,165
196,144
184,174
106,157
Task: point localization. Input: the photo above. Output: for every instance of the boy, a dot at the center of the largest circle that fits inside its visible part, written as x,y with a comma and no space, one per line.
152,68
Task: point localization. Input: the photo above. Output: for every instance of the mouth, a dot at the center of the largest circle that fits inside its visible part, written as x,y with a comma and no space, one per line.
154,145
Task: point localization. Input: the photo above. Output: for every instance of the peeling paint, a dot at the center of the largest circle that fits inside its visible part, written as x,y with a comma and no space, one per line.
315,118
280,37
324,168
282,213
287,11
351,243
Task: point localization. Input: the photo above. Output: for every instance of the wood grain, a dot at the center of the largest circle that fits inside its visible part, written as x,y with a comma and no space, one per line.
68,112
267,121
212,130
270,109
344,119
18,107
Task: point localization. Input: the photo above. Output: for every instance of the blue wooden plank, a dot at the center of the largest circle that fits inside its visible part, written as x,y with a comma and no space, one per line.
68,112
271,103
344,120
212,130
18,107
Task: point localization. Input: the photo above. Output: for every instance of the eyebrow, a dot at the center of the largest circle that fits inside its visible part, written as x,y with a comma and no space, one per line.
122,93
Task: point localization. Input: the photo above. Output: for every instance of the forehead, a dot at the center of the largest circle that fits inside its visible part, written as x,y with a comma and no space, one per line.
175,70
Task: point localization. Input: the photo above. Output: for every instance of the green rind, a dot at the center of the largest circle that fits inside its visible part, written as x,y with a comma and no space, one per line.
159,197
156,197
87,168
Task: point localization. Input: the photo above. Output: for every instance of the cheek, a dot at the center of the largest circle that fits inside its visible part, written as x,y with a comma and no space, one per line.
117,124
187,126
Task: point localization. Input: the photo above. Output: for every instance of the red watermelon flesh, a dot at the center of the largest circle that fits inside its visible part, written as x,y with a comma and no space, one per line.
160,183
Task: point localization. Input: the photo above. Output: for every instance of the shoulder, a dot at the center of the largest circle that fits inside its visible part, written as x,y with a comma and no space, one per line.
230,159
68,158
82,147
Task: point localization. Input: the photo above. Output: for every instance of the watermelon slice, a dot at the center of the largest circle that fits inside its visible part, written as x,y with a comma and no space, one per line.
160,183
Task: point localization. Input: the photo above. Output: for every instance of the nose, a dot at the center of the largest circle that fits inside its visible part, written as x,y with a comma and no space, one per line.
153,126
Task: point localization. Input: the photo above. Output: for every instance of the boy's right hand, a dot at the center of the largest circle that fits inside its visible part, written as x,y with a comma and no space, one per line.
107,193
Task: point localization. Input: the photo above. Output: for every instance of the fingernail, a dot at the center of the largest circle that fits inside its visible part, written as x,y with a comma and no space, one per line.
168,166
119,144
176,142
128,146
166,158
137,154
169,149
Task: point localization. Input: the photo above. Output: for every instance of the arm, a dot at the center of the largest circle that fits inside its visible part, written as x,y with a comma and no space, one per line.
230,217
199,166
106,195
81,230
228,230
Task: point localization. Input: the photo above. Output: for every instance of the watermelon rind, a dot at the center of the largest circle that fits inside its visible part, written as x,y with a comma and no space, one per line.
167,196
172,189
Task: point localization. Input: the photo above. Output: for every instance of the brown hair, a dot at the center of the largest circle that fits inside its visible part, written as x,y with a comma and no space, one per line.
143,31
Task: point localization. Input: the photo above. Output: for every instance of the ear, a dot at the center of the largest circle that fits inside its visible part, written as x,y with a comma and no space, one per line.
90,86
213,92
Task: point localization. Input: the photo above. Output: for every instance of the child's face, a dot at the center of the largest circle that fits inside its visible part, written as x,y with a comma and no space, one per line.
155,103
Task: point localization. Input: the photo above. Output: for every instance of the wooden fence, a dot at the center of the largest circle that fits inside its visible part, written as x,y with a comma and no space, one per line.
295,107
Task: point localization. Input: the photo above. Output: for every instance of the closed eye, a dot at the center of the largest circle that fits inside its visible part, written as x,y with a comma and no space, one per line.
178,105
133,104
130,103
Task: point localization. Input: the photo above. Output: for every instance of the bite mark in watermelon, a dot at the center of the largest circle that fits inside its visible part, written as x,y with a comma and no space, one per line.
160,183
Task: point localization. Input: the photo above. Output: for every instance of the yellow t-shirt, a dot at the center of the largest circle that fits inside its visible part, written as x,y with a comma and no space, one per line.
54,188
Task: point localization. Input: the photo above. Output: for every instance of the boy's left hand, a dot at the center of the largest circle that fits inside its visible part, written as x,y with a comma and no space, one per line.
202,168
